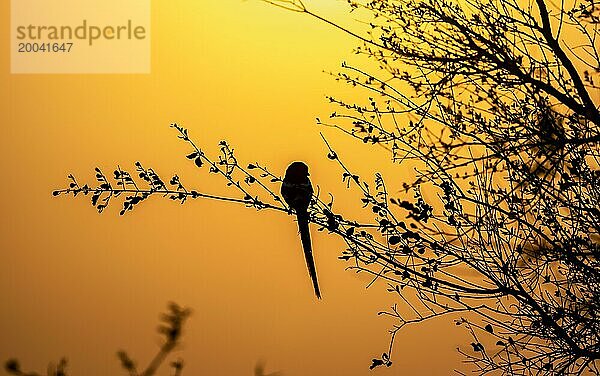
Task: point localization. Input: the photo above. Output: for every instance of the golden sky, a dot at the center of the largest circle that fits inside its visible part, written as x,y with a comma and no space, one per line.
78,284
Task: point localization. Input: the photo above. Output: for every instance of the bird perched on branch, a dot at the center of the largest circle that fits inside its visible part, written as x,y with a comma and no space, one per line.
297,193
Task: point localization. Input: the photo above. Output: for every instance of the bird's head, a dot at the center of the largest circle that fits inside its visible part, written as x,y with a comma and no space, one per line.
297,171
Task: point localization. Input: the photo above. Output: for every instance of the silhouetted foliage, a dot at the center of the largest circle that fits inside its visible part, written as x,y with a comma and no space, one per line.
259,370
491,102
171,328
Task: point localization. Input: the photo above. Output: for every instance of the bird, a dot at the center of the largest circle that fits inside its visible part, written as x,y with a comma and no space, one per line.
297,192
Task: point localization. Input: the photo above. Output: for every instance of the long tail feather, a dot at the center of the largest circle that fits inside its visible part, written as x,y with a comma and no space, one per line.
306,245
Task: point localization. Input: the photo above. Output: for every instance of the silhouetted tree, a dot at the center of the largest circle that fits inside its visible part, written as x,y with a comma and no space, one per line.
491,102
171,328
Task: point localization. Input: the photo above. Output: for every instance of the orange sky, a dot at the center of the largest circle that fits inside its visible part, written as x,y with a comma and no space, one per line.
78,284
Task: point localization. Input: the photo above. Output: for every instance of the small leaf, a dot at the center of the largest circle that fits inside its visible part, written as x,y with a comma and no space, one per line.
12,366
393,240
198,162
126,361
489,328
376,363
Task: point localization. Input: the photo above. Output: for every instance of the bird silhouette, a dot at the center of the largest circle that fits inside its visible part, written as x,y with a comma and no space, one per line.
297,193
